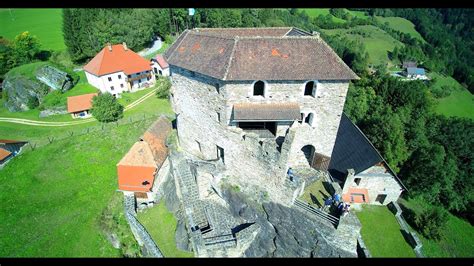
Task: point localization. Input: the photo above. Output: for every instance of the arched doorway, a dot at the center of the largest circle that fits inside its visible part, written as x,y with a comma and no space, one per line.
315,160
308,152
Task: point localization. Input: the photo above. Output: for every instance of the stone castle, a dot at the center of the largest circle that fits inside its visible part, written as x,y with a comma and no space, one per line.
261,100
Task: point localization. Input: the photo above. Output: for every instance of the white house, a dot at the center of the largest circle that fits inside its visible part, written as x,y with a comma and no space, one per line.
415,73
116,69
160,66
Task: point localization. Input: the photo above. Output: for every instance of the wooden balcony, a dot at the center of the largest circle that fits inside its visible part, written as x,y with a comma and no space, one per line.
127,79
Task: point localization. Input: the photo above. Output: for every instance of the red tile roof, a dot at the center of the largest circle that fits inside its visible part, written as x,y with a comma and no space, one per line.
80,103
119,59
161,61
257,54
5,141
4,154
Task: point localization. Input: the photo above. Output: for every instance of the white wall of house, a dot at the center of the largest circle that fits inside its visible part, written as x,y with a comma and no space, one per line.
116,83
164,72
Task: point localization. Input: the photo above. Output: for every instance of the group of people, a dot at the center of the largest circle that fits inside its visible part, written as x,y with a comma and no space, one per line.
342,207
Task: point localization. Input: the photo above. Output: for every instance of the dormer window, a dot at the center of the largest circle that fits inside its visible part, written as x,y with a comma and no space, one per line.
310,89
259,88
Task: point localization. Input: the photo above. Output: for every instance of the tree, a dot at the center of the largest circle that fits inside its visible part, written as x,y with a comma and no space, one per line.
105,108
164,86
431,222
25,48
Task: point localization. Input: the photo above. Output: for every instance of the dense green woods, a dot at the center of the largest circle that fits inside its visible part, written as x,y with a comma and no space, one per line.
431,153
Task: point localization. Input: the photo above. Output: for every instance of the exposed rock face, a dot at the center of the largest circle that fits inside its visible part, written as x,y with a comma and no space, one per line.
54,78
285,232
19,91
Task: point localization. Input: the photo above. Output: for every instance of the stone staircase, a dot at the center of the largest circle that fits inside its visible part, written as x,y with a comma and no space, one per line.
193,206
316,213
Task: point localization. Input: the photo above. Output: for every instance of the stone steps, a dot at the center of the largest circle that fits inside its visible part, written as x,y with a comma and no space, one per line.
227,240
305,207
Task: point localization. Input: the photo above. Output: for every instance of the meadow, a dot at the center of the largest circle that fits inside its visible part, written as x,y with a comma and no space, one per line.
46,24
376,41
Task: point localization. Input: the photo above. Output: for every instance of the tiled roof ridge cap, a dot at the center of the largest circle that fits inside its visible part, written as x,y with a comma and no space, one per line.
243,28
284,37
231,57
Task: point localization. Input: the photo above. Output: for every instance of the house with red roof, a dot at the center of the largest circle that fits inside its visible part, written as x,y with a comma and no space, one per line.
116,69
160,66
145,166
80,106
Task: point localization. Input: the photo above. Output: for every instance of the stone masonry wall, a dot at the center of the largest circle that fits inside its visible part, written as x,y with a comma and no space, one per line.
248,161
376,181
326,105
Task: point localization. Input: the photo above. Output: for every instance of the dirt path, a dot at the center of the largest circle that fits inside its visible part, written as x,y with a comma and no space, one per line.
70,123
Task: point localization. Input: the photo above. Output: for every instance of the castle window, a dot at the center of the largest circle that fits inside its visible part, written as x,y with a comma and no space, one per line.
259,88
310,89
309,119
217,88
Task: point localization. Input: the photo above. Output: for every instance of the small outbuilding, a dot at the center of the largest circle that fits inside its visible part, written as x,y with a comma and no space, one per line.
160,66
407,64
415,73
80,106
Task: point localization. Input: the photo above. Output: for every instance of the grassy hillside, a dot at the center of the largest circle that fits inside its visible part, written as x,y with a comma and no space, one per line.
315,12
402,25
460,103
377,42
52,198
457,240
46,24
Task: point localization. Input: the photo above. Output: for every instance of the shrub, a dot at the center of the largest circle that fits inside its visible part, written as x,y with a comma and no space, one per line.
105,108
32,103
441,92
164,85
431,221
53,99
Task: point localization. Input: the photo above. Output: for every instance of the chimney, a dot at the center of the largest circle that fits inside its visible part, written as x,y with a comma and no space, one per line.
124,46
110,46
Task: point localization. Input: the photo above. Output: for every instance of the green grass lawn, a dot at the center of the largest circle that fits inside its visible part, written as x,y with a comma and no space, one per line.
27,70
52,198
402,25
381,233
46,24
315,12
378,43
460,103
457,240
161,225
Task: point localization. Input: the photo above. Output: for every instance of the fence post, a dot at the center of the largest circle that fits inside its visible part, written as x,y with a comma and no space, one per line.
71,133
32,146
50,140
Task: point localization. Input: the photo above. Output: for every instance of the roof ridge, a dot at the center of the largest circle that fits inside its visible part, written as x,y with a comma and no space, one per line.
338,58
240,28
213,36
185,32
231,57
